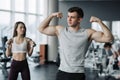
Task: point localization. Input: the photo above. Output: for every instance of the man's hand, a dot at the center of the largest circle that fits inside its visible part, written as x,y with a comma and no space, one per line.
94,19
57,14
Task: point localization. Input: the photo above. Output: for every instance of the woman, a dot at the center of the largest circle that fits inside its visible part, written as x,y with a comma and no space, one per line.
18,47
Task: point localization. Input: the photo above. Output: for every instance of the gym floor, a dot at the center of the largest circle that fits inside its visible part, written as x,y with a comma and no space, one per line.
48,72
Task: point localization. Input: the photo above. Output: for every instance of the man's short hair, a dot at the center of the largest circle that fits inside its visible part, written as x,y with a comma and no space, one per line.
78,10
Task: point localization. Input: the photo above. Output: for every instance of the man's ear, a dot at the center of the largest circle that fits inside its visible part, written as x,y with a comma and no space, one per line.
80,19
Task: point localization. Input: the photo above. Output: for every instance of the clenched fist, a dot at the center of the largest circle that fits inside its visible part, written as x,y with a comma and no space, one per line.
94,19
57,14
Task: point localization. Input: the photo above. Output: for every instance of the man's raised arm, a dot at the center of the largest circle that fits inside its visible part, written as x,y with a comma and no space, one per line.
105,36
47,29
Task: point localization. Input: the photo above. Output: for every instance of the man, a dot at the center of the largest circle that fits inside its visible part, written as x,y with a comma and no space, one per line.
107,52
106,55
74,42
116,50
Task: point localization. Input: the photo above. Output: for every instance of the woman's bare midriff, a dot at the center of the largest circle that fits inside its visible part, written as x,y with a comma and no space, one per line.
19,56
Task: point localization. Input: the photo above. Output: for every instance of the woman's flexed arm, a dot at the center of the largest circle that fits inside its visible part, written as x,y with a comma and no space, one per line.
30,46
8,47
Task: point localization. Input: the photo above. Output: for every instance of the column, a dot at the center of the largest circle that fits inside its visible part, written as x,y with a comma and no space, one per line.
52,40
51,6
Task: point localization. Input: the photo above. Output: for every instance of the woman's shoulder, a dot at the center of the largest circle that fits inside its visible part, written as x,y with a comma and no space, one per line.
28,39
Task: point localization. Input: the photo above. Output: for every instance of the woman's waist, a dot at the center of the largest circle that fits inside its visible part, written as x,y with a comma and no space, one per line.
20,51
19,56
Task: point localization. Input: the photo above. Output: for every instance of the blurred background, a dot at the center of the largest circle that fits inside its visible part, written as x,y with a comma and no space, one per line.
45,55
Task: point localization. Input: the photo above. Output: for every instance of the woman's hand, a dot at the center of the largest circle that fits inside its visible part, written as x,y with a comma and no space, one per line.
32,44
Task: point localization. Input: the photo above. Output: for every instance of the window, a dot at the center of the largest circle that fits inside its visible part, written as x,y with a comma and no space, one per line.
4,18
32,27
5,4
97,27
19,5
19,17
41,10
4,24
32,6
28,11
116,29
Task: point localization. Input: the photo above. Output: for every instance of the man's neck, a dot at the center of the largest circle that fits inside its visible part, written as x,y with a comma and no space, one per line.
74,28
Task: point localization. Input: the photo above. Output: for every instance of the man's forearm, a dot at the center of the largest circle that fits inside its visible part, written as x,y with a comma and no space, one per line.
45,23
106,30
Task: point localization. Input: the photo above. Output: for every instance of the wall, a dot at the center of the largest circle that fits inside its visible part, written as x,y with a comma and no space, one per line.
106,10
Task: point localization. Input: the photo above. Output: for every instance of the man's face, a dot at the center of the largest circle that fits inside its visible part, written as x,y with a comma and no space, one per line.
73,19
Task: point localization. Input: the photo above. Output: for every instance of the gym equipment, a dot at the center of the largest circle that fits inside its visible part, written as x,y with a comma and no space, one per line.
3,59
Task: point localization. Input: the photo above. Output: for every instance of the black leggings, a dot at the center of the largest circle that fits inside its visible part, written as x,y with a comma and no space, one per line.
69,76
19,66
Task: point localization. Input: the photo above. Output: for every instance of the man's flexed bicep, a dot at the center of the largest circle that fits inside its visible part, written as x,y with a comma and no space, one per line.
97,36
47,29
105,36
51,31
